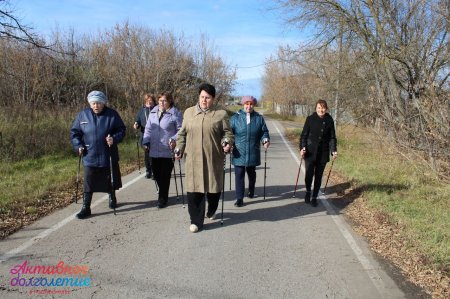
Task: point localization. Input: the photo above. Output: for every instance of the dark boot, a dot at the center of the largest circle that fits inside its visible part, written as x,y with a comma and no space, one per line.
239,203
314,201
112,200
86,208
162,202
308,197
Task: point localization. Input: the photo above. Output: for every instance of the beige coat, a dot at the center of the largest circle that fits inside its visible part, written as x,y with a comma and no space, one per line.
200,139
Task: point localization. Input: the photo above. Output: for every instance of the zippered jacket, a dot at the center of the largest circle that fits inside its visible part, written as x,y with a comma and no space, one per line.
89,130
248,138
158,131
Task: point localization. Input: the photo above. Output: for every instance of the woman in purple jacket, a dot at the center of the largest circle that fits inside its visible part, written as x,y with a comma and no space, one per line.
160,139
95,133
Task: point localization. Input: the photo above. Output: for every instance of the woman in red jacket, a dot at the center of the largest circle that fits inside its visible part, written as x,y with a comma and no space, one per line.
317,139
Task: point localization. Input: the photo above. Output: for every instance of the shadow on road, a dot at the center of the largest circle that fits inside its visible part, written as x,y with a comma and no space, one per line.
284,206
339,195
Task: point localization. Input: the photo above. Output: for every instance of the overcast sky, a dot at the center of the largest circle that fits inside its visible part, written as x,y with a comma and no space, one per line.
245,32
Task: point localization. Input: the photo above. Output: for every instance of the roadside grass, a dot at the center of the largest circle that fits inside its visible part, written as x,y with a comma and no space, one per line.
408,194
26,184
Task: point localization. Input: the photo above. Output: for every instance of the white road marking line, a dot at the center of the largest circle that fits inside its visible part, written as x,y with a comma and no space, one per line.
57,226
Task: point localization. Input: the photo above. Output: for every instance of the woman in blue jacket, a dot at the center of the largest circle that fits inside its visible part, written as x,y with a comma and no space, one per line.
139,123
250,130
317,139
160,139
95,133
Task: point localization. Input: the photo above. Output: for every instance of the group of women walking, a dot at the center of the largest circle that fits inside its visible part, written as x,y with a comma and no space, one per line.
203,135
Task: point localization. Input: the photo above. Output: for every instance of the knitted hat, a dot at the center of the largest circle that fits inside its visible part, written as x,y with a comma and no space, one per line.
97,96
248,99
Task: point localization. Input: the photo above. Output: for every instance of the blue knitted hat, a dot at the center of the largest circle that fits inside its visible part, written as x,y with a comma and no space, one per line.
97,96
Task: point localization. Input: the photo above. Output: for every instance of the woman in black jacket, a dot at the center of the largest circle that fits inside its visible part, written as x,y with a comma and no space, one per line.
317,139
139,123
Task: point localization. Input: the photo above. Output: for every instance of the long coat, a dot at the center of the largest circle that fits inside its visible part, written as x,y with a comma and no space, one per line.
248,138
318,137
200,139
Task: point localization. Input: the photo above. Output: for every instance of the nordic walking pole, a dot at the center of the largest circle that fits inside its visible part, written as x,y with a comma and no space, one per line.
231,157
78,177
176,153
175,178
328,177
181,180
223,187
174,172
265,172
298,174
137,147
111,173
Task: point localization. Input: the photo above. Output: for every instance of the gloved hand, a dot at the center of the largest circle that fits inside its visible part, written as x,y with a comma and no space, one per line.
177,154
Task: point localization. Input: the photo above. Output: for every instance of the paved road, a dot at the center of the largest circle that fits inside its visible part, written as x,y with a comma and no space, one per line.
273,248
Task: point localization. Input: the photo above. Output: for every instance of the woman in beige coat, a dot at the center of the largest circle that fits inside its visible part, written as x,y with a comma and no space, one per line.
204,139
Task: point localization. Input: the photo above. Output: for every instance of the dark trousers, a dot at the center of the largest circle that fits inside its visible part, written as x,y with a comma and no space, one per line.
148,162
239,179
196,206
162,171
314,169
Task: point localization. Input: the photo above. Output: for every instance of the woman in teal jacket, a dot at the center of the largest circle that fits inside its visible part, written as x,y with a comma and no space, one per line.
250,131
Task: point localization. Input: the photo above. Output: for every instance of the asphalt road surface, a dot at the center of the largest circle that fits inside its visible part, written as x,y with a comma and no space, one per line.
273,248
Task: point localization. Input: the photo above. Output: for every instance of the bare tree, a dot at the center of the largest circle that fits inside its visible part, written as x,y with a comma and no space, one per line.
402,49
11,27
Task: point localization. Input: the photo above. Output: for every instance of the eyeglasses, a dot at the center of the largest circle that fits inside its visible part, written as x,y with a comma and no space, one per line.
162,101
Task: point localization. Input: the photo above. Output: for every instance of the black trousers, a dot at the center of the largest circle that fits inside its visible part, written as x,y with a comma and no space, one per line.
197,203
314,169
148,162
162,171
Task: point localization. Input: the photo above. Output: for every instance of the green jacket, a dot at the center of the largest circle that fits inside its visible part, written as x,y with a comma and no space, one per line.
248,138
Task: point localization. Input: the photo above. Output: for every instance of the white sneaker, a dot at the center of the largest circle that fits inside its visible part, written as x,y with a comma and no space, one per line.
193,228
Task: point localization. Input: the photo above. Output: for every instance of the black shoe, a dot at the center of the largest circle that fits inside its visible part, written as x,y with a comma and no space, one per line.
84,213
308,197
86,209
148,175
239,203
251,195
314,202
112,200
162,203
